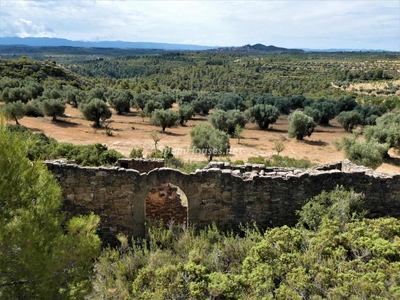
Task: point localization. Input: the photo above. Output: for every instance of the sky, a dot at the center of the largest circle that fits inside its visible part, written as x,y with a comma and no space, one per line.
317,24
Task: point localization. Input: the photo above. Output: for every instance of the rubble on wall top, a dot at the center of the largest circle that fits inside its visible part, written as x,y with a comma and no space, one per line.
141,160
249,171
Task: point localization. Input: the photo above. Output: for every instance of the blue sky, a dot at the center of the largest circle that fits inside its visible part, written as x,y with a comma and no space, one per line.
373,24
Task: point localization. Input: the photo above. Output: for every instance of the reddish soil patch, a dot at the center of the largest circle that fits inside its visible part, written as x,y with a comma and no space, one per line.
75,129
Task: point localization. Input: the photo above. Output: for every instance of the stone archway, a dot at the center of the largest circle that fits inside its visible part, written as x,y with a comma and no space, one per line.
167,203
146,182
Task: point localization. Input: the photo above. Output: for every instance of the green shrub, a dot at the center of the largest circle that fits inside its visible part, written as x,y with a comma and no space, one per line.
288,162
166,154
86,155
238,162
33,109
109,157
281,161
256,160
369,154
186,167
136,153
339,205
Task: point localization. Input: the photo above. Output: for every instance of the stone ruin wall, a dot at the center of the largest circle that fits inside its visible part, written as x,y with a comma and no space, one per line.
224,194
141,165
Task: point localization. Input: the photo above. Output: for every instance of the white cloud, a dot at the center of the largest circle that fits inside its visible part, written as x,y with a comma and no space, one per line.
322,24
27,28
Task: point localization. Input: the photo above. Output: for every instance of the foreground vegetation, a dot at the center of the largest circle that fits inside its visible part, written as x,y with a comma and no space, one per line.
43,256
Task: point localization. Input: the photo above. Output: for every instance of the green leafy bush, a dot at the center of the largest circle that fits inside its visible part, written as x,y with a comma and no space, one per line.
288,162
281,161
136,153
339,205
369,154
256,160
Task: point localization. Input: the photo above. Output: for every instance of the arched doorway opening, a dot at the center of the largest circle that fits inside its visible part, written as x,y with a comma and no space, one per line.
167,204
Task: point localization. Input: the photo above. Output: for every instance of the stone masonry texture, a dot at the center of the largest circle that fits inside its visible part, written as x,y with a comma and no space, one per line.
221,193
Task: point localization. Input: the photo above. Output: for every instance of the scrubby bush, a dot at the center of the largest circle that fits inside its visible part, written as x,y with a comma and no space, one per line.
369,154
339,205
136,153
309,261
166,154
86,155
43,256
256,160
288,162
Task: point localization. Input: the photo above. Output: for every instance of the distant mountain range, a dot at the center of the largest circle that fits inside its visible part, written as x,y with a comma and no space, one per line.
256,48
259,48
344,50
54,42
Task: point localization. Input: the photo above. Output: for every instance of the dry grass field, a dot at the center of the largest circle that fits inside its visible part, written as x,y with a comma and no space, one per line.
75,129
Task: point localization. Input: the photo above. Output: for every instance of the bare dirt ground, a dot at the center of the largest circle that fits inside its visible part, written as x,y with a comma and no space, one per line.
373,87
317,148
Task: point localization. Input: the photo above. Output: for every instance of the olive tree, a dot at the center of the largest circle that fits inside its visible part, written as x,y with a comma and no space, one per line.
386,131
53,108
164,118
120,101
300,125
14,110
369,154
349,119
209,141
327,109
95,110
186,112
263,115
226,121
